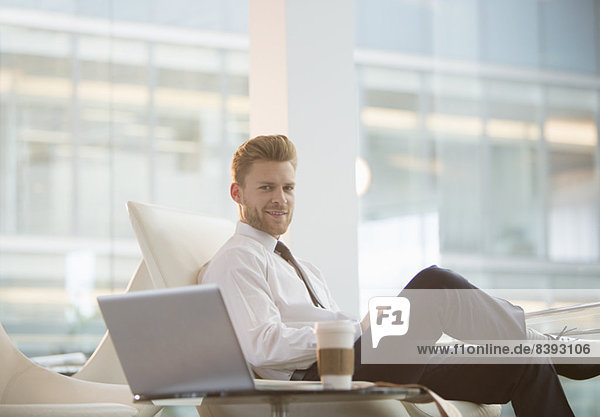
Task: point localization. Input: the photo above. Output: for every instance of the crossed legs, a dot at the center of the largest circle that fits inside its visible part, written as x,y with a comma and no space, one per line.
533,388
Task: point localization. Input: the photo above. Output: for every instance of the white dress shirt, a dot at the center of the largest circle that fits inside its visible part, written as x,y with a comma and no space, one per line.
269,305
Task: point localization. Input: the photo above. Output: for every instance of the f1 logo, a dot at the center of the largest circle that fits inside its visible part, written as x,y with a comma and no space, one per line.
389,316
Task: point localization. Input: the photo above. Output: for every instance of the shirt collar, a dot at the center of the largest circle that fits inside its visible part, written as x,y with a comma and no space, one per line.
265,239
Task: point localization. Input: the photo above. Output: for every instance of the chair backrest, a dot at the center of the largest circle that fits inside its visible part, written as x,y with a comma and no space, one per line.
104,365
176,243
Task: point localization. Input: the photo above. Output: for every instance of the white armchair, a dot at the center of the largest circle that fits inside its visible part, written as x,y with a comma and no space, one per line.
28,390
103,365
175,245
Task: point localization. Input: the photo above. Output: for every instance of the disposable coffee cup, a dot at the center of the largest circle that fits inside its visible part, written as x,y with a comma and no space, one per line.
335,353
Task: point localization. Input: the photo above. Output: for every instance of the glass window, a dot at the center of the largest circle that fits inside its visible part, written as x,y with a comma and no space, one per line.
511,32
569,35
37,158
572,135
455,123
515,197
209,15
90,121
456,29
399,171
396,147
402,25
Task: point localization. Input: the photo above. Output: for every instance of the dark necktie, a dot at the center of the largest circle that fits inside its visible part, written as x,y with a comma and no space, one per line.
285,253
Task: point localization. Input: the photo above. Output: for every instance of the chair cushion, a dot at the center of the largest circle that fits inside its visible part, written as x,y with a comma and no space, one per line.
176,243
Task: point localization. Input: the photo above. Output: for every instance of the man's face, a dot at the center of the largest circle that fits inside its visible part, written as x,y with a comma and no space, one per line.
266,200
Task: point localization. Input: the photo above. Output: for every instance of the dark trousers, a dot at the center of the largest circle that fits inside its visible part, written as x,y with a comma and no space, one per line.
533,388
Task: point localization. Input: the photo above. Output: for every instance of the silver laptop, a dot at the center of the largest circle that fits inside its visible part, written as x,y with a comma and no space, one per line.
180,343
176,342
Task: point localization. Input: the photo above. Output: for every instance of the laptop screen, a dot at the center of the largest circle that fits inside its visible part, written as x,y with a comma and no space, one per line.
176,342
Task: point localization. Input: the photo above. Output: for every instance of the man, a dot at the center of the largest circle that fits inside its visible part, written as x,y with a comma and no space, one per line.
274,301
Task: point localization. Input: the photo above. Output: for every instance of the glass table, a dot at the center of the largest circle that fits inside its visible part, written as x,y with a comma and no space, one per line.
280,399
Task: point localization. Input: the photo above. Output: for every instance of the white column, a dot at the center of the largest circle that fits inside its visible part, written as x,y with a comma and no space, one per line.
302,83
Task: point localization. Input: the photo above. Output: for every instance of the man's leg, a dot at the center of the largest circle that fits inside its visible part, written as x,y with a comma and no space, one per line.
465,312
442,301
459,309
534,389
